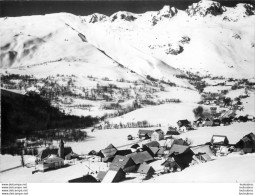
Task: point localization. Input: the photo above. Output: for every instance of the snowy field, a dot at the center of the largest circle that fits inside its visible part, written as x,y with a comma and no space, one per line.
236,169
166,114
233,132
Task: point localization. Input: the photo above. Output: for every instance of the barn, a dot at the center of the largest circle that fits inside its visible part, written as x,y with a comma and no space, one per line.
108,153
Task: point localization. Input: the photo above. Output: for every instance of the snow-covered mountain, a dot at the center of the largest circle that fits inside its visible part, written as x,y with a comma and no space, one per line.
207,38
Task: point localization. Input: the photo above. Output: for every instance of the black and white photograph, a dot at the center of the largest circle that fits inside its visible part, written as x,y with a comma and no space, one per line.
146,91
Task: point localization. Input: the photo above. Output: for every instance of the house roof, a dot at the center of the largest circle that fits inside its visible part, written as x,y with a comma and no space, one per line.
177,149
141,157
161,151
52,159
120,162
145,169
154,150
47,152
92,152
109,151
145,132
152,144
206,157
67,150
101,175
111,176
158,130
172,132
183,122
184,159
251,136
72,155
180,142
135,146
110,147
219,139
123,152
84,179
203,149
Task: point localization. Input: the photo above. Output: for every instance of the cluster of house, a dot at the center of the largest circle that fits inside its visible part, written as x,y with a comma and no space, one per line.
176,154
53,158
185,125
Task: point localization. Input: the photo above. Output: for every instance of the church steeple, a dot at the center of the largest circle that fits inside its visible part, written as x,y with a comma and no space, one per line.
61,149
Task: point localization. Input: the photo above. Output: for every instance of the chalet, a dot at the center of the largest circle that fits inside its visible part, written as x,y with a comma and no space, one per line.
216,122
247,143
226,121
178,162
125,163
198,122
157,135
114,175
182,123
146,170
84,179
154,135
145,134
183,160
219,140
207,122
108,153
141,157
170,142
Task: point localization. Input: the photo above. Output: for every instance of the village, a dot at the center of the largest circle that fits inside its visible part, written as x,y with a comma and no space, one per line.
146,155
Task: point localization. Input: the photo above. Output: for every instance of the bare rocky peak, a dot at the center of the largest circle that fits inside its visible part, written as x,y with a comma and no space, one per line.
123,15
96,17
205,7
